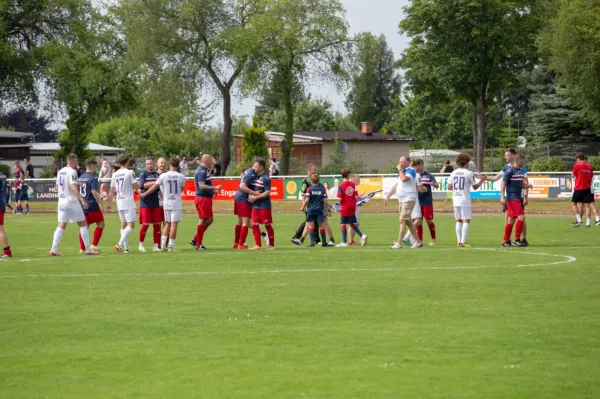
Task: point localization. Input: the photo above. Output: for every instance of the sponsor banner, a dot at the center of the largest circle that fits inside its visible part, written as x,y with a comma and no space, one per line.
293,186
596,186
370,184
43,192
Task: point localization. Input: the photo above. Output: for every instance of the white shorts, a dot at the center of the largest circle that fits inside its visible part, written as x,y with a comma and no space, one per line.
416,212
173,215
128,215
463,212
70,215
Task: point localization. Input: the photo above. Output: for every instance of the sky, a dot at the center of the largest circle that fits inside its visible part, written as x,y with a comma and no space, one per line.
375,16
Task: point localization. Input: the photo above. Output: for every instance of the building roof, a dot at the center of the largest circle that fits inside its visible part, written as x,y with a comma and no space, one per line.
354,136
35,147
14,135
433,153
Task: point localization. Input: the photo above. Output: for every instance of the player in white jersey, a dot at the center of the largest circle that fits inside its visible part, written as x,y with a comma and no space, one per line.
122,185
416,215
70,204
171,185
460,182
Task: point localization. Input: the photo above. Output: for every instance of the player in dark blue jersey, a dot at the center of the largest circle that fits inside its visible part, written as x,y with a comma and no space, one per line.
242,208
3,237
204,197
428,181
315,203
89,188
261,205
6,191
151,212
17,192
24,196
513,184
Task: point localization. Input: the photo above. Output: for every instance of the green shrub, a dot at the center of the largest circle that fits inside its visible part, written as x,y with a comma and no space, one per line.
595,162
254,143
547,164
5,169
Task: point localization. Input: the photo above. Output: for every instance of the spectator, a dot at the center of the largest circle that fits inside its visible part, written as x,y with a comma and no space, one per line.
28,169
216,169
105,169
183,165
273,167
54,168
447,167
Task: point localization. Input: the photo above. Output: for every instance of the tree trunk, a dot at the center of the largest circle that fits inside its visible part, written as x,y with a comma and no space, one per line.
481,127
287,76
226,137
474,130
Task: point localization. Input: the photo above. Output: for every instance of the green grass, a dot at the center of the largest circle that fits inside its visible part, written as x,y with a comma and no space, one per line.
369,322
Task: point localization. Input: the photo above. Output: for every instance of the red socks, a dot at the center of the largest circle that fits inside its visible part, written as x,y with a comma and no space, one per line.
271,235
420,232
7,251
507,232
243,235
200,234
97,235
238,229
431,230
143,231
156,233
519,229
256,234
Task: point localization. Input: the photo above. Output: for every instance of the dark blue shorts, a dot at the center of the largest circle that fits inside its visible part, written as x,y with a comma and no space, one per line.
315,217
24,196
348,220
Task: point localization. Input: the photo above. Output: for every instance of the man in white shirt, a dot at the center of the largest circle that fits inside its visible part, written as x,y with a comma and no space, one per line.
70,203
122,185
460,182
406,192
171,184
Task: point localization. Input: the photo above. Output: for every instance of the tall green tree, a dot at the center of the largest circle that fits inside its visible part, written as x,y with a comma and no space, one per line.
205,39
298,36
470,49
375,82
574,43
88,78
254,143
311,116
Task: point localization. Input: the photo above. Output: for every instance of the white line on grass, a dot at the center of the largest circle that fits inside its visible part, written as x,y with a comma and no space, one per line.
565,259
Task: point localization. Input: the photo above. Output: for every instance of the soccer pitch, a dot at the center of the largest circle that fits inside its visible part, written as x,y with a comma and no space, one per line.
369,322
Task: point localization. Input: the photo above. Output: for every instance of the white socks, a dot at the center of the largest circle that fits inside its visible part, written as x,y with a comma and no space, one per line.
172,243
85,236
163,241
125,236
58,234
465,232
459,230
578,217
588,222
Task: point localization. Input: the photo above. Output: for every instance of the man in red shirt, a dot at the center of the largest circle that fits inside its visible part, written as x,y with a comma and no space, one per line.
347,194
582,174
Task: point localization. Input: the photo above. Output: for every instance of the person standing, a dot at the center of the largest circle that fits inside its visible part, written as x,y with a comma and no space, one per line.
314,204
261,206
447,168
29,172
89,190
70,206
583,175
216,167
204,198
122,185
183,166
426,201
513,183
151,212
348,194
406,192
273,167
6,253
298,238
242,208
171,184
460,182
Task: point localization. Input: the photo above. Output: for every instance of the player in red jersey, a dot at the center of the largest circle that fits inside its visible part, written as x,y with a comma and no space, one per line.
583,175
347,194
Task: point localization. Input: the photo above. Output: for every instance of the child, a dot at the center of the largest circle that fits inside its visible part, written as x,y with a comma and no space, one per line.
347,194
315,203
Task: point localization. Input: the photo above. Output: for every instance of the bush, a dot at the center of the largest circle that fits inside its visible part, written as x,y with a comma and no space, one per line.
390,168
254,143
5,169
46,172
595,162
547,164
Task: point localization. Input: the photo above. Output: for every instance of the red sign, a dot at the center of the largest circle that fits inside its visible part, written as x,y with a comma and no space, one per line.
228,189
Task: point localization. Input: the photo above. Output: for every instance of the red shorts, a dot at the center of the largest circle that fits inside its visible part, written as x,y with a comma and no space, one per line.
1,218
242,209
204,207
515,208
427,212
262,216
151,215
94,217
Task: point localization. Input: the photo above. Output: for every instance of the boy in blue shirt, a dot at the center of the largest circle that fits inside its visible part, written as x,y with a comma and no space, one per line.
315,203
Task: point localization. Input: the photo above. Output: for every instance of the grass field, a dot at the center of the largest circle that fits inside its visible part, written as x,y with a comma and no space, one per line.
438,322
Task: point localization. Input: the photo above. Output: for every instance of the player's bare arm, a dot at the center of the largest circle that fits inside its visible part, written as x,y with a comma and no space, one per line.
435,185
150,190
136,186
502,191
253,198
96,195
526,187
392,190
421,188
75,191
477,185
304,204
403,176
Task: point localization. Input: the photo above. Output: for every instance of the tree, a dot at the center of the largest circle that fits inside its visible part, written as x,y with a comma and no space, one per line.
375,82
574,44
469,49
254,143
311,116
203,38
88,77
296,34
28,121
